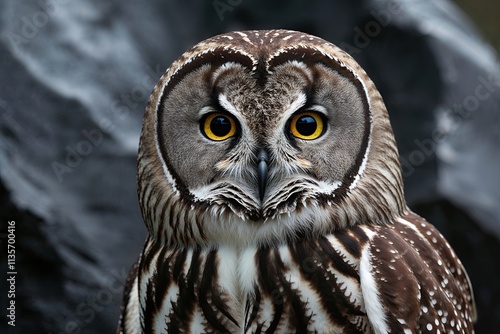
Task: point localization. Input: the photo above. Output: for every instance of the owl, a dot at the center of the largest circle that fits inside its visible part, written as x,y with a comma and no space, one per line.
270,185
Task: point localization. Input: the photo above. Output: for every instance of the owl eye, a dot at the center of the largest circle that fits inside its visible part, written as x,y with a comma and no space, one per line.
218,126
307,125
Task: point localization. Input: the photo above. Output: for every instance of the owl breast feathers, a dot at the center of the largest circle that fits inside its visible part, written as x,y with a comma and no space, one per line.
269,181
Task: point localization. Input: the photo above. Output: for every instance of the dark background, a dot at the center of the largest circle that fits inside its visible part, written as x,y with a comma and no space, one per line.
74,81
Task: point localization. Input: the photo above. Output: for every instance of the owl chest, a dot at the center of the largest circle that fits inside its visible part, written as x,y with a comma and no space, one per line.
251,290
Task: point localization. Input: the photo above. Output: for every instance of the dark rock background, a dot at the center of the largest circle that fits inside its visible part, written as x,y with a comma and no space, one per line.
74,81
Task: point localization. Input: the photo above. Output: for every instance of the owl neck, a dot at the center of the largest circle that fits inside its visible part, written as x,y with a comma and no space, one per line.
191,226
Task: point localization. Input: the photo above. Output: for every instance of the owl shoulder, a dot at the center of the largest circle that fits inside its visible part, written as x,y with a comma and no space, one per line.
411,278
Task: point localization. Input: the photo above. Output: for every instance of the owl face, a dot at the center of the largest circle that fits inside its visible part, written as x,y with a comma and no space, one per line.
263,128
308,122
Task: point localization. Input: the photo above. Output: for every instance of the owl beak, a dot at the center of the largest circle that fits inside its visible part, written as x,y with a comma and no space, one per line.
262,158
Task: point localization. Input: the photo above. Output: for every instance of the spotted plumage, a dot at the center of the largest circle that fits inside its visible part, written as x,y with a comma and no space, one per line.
269,181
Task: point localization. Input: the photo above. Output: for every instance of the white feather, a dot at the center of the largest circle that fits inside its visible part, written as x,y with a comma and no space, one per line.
227,257
196,326
132,317
247,269
373,305
164,313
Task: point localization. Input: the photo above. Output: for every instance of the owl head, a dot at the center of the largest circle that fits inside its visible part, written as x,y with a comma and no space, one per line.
263,136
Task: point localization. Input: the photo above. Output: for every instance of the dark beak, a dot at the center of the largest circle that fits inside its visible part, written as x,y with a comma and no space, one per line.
262,158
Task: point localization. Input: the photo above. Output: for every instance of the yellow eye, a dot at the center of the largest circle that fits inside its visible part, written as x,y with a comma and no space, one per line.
307,125
218,126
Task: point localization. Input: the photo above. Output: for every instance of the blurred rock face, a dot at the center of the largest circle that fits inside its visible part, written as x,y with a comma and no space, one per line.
75,78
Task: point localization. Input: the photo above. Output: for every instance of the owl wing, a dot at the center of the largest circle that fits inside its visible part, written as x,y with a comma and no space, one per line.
411,280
